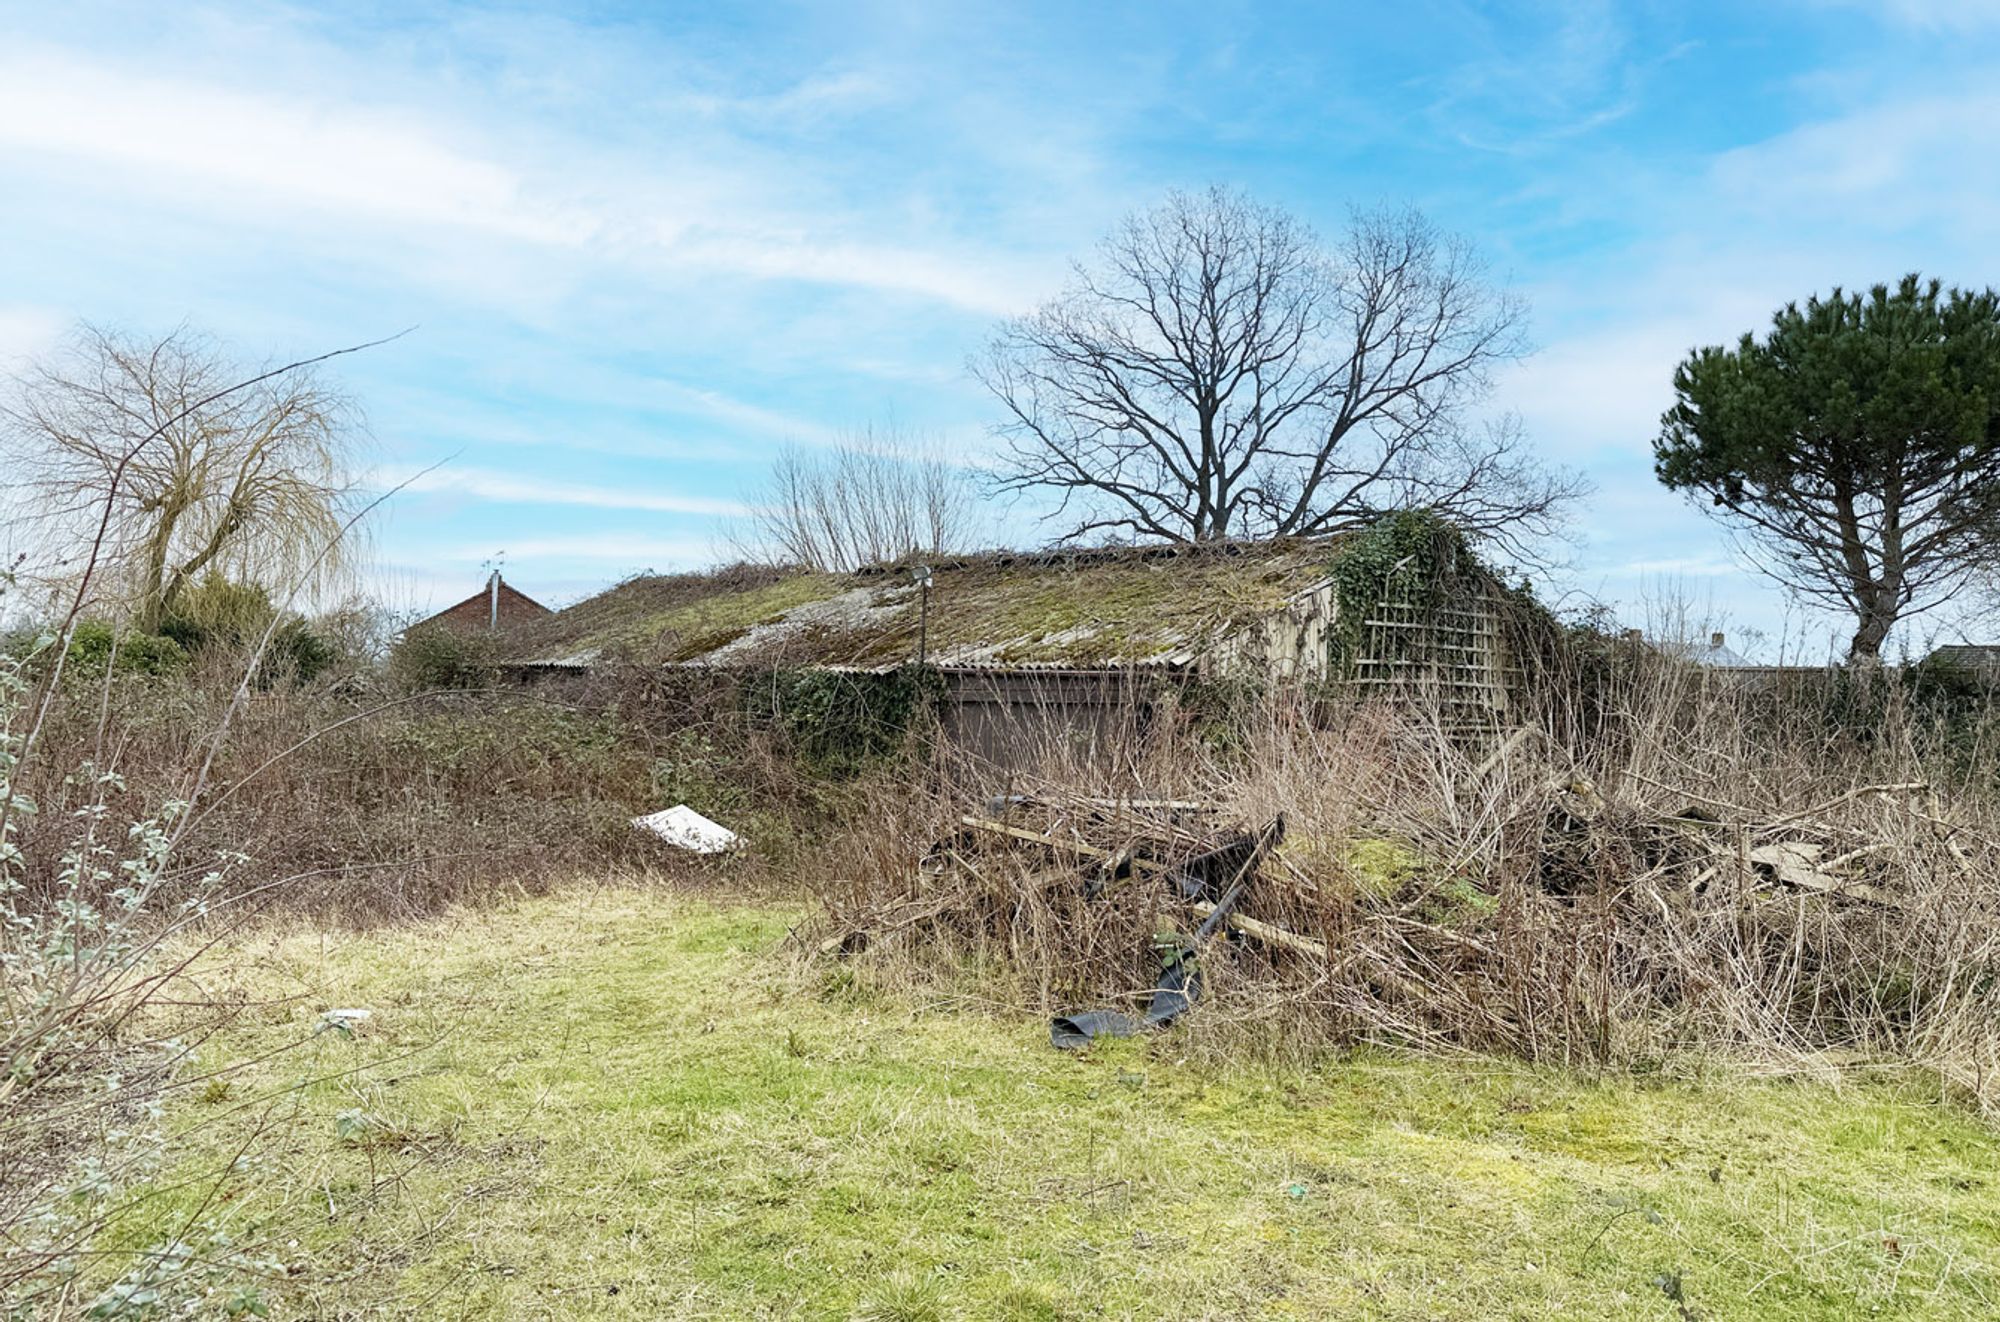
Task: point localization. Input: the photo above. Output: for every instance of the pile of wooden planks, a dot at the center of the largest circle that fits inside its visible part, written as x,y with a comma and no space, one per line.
1097,843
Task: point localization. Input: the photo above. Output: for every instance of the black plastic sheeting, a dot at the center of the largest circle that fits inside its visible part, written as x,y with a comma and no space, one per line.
1179,985
1180,982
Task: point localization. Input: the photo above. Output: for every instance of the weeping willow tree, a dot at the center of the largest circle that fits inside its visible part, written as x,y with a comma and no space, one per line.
138,457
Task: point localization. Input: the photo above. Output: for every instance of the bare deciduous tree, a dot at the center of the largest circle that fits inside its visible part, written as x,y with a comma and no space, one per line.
253,484
877,498
1218,373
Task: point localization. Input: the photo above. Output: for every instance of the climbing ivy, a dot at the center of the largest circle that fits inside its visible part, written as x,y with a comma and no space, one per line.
840,721
1413,557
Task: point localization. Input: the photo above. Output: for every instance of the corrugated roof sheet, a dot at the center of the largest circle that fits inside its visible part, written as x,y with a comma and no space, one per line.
1078,610
1716,656
1977,656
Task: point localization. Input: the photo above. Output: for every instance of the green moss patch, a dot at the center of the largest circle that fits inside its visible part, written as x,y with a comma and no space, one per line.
687,615
1099,607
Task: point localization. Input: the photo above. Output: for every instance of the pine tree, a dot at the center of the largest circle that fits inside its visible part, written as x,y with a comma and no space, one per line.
1856,448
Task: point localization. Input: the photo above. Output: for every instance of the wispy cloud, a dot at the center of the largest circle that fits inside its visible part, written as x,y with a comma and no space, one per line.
1858,194
26,332
1954,16
525,489
1922,161
650,244
194,136
631,551
737,412
1707,566
1535,82
218,147
959,278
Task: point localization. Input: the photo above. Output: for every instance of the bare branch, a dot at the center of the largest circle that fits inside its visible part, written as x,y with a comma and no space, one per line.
1217,373
877,498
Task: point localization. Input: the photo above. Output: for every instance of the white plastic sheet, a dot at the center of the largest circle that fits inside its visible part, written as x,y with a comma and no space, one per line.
684,828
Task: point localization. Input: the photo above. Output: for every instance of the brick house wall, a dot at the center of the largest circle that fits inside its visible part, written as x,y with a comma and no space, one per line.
475,613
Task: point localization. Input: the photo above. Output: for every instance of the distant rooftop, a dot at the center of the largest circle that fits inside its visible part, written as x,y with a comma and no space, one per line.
1972,656
1716,653
499,605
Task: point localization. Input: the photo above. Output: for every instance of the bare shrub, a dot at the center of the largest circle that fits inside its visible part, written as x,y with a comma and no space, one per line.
98,875
169,809
875,499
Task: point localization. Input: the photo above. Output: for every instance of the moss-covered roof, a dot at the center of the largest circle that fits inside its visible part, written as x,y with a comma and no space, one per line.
1086,609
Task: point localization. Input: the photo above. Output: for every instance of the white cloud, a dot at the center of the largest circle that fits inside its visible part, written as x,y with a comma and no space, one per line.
1540,78
1855,197
527,489
736,412
367,162
712,205
1583,397
958,278
628,551
1925,162
26,332
1699,566
1932,15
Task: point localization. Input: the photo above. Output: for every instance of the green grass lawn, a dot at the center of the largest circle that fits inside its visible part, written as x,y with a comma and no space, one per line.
620,1104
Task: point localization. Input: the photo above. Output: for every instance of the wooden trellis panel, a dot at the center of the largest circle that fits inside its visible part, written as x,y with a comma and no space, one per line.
1449,653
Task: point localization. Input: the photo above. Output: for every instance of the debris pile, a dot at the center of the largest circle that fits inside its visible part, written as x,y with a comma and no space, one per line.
1170,854
1525,906
1849,846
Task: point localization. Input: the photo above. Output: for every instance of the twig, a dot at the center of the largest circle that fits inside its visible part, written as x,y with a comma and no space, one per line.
1266,932
1859,791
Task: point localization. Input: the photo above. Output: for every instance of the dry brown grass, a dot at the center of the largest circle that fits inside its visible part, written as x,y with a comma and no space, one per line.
1598,892
350,807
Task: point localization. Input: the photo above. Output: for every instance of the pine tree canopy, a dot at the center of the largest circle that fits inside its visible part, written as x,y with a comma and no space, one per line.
1856,447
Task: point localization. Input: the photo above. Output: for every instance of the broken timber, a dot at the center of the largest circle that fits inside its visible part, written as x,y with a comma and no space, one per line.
1265,932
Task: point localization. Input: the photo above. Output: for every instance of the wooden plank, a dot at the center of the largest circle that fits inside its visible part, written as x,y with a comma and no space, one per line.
1076,847
1265,932
1797,863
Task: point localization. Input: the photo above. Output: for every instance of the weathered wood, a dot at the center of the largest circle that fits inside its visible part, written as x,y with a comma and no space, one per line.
1797,863
1858,792
1265,932
1507,745
1077,847
1148,805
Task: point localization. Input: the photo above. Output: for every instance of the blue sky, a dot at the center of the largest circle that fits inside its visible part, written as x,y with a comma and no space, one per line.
643,246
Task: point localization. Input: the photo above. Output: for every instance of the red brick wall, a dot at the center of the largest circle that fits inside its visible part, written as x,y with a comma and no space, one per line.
473,614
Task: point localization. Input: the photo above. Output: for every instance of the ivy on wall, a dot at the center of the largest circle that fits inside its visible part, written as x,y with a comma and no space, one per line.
840,721
1411,557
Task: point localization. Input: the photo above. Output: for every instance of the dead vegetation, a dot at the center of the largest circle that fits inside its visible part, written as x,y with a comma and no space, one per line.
1648,869
1641,872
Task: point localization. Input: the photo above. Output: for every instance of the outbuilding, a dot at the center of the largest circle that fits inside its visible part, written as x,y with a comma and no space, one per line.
1069,647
